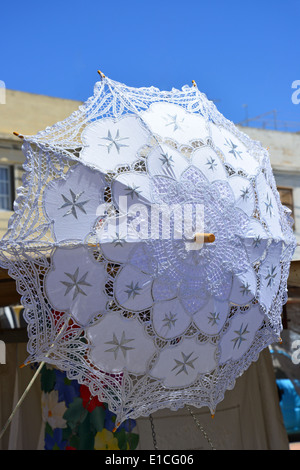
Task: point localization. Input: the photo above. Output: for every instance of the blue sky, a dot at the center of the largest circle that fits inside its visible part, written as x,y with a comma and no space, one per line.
238,52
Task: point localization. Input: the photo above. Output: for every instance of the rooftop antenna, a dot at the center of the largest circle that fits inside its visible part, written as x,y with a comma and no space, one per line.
246,121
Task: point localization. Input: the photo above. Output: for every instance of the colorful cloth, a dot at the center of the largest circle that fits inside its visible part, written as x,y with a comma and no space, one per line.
76,420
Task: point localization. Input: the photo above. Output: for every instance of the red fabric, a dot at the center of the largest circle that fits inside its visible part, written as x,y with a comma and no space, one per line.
89,402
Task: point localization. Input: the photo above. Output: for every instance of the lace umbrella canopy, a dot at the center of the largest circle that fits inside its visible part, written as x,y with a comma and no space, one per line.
148,323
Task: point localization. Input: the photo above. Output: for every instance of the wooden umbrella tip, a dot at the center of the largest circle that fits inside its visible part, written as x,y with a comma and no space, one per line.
18,135
101,74
116,427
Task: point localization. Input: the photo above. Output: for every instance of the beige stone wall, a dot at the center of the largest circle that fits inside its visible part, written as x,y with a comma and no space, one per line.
4,217
284,147
28,113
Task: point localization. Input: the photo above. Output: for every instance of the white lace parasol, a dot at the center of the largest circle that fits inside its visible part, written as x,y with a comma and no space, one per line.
148,322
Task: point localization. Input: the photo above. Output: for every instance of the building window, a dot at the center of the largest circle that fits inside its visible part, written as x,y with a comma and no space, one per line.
6,188
286,197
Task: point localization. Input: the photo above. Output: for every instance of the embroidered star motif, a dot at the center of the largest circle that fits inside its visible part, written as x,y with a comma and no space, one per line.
269,206
133,290
271,276
214,318
166,159
173,121
117,241
75,283
256,241
170,320
233,147
114,142
185,363
74,204
119,345
245,288
245,194
240,336
211,164
132,191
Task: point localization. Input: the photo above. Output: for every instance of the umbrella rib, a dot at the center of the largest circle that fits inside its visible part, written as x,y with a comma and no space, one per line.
23,396
21,399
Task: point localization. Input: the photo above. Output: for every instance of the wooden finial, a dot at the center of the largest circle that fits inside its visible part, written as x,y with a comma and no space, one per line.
204,238
116,427
194,83
18,135
23,365
101,74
